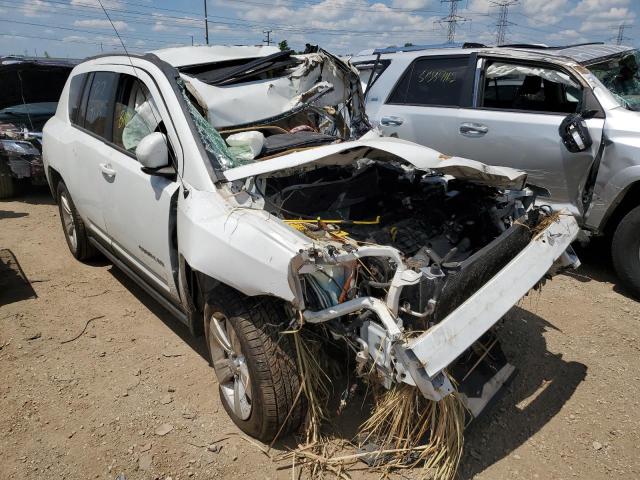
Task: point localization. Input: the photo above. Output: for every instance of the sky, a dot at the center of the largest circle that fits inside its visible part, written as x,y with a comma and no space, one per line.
80,28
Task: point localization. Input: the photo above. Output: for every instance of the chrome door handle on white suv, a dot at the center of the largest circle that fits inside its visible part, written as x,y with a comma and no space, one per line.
473,129
107,171
391,121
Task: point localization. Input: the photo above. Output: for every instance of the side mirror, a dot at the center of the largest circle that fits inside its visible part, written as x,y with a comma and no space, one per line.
152,151
575,134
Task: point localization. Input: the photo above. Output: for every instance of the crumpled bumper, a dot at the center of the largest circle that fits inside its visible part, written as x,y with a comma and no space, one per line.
426,356
422,359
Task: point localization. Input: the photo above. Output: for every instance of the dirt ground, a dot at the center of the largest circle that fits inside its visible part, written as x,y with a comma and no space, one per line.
94,407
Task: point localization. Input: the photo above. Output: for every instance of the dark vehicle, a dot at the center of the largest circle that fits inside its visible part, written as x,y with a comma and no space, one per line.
29,91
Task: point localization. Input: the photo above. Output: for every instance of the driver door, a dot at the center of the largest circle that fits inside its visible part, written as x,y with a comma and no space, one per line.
137,205
518,109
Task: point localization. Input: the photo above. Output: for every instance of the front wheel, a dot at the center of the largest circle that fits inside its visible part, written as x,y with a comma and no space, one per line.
254,363
625,251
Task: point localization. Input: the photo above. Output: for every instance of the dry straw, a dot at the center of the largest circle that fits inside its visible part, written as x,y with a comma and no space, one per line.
409,430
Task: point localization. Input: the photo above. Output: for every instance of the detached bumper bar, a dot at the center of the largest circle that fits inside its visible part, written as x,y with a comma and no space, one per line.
427,355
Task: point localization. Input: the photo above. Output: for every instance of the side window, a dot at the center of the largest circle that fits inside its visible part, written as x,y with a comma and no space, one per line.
98,117
75,95
434,82
526,87
136,114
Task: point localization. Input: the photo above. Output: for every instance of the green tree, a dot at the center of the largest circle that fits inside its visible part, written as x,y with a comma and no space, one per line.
283,45
46,54
408,44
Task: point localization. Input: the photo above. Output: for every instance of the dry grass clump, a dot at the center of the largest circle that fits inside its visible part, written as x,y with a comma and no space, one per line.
411,430
546,221
407,429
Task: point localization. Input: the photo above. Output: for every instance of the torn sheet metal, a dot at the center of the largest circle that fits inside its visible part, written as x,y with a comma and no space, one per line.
256,100
385,149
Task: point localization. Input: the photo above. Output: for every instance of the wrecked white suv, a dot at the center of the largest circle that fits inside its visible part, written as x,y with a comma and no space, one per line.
239,187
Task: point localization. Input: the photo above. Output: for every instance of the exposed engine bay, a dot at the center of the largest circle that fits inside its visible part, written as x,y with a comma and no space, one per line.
439,225
452,236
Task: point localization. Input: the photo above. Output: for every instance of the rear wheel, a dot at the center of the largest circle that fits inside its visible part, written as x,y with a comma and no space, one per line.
254,364
75,232
625,251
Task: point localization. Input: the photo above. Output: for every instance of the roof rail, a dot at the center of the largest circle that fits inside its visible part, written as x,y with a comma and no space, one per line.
547,47
414,48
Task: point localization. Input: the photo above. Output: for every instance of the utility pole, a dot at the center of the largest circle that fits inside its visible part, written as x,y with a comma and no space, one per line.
206,24
267,37
452,19
503,19
621,38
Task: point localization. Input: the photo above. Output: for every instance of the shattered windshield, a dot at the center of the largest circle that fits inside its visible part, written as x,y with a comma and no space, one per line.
620,75
212,141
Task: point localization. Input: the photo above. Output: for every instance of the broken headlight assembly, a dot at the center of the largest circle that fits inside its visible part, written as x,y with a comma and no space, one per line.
18,148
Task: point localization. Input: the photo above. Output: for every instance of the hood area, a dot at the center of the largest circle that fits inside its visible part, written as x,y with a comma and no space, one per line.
385,149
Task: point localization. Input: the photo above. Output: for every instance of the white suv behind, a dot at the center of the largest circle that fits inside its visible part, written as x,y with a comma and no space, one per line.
226,181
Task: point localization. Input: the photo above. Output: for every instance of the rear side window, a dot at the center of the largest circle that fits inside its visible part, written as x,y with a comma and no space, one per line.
75,95
434,82
99,115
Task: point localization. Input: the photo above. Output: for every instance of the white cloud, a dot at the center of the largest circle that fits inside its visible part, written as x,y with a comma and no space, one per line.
411,4
548,12
36,8
100,23
585,7
341,25
607,20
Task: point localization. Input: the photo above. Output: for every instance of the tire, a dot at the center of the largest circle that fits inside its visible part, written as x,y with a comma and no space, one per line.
75,232
625,251
264,360
8,184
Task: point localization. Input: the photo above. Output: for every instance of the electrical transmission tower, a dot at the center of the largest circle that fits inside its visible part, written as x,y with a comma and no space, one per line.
267,37
621,38
452,20
503,19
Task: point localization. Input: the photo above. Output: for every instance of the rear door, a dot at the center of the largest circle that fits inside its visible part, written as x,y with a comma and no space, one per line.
90,103
424,105
517,112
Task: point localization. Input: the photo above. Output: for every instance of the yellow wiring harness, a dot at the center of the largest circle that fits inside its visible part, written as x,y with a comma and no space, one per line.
303,225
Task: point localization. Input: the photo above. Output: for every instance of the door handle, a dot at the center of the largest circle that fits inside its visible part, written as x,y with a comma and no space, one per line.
473,129
107,171
391,121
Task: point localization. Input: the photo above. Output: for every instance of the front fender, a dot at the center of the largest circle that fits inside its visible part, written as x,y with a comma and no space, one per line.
247,249
610,195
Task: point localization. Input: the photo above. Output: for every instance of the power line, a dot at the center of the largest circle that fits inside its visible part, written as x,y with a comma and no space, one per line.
452,19
79,30
62,40
180,21
503,19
